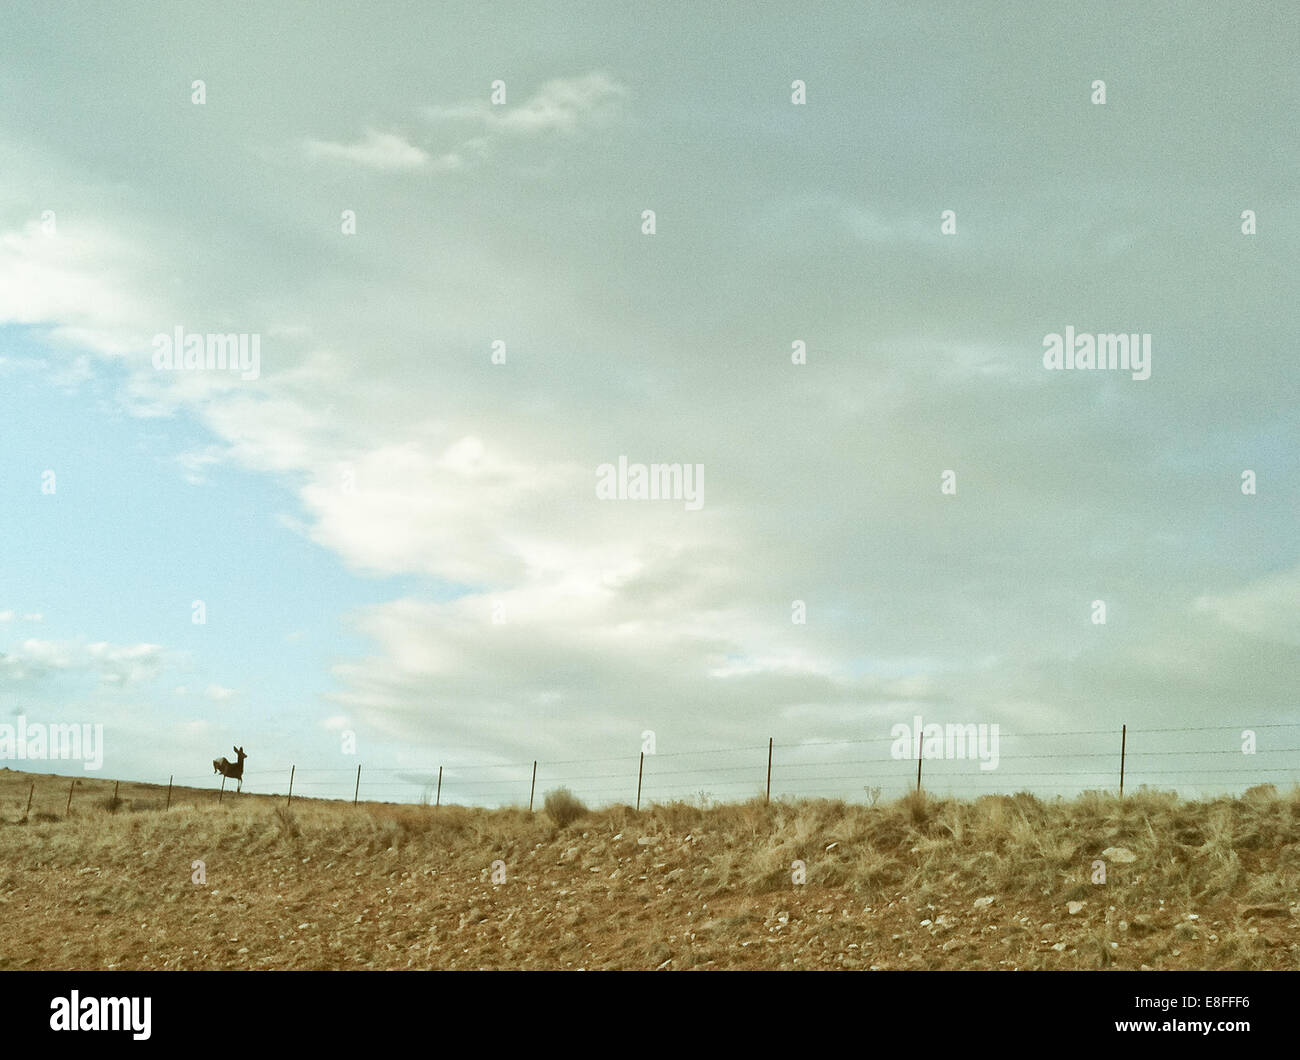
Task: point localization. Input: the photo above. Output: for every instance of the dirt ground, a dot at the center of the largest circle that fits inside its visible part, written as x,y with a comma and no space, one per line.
1000,883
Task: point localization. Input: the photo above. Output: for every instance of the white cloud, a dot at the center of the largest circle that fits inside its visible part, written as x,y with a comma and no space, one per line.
451,513
1268,608
194,463
562,106
112,664
378,150
80,281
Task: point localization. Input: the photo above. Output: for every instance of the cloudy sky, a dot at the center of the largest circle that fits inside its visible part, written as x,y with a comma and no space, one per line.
392,535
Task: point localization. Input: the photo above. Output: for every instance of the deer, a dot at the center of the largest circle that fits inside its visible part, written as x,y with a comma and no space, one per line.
231,769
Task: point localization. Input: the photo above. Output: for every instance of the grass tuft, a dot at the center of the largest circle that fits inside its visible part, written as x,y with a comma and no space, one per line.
563,807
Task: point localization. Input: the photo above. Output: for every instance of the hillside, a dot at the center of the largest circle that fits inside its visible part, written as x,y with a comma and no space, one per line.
1003,882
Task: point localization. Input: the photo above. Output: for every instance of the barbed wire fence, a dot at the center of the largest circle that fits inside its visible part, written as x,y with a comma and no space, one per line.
1171,758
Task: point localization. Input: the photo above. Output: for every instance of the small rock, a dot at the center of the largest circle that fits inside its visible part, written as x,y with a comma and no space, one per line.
88,868
647,841
1120,855
1059,947
1076,908
987,900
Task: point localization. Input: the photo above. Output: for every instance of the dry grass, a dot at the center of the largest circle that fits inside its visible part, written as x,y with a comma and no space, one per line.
908,884
563,807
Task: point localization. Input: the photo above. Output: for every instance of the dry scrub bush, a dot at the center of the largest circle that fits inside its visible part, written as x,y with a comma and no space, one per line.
563,807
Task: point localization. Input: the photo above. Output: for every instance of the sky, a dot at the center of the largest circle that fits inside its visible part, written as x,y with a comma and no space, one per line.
431,222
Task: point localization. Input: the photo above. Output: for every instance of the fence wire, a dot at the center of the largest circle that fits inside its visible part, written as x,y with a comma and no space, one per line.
966,767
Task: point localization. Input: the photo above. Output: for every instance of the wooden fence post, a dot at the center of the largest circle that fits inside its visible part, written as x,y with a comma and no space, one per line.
1123,747
289,803
357,789
114,803
68,808
438,800
920,754
533,789
169,792
640,771
223,789
31,791
768,797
